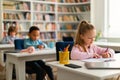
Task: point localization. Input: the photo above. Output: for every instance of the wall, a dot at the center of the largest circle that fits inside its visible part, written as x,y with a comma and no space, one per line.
97,14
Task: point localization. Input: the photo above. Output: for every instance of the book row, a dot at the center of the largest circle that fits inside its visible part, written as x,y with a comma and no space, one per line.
69,18
47,27
17,16
44,7
21,26
72,1
16,5
48,35
74,8
68,26
44,17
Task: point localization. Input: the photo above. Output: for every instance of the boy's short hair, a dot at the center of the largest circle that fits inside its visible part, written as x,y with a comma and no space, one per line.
12,29
32,28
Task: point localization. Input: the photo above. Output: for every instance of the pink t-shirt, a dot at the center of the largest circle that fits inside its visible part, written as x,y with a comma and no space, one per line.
78,54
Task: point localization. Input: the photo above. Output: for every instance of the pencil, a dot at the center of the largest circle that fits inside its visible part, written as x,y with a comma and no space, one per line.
106,49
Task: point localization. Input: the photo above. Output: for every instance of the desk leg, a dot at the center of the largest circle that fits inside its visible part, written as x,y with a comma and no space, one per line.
20,70
9,70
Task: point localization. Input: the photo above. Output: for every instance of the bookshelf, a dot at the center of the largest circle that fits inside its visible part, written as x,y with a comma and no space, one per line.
16,13
70,13
55,18
44,17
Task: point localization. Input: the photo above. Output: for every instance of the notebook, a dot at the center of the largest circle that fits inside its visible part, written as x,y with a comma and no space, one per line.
103,65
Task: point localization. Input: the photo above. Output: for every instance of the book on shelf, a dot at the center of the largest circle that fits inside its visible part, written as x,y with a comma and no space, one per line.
68,18
82,8
38,16
77,9
44,7
50,26
21,26
48,35
20,16
26,6
85,8
22,5
59,9
38,7
68,27
8,5
40,26
16,5
60,18
72,1
27,16
64,9
17,16
49,17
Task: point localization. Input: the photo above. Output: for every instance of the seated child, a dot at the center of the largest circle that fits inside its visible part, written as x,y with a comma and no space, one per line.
30,45
83,46
11,36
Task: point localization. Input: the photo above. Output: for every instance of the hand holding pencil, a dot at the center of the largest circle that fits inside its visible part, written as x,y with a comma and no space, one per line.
106,54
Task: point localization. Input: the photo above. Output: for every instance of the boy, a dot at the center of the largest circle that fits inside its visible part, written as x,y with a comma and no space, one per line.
31,44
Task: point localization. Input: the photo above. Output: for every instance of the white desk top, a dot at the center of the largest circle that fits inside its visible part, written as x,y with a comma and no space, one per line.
84,71
19,59
39,52
6,46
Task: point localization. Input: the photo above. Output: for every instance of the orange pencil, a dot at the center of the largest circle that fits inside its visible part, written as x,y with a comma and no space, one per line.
66,49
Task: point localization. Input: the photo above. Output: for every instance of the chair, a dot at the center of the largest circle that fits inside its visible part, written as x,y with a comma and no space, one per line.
19,45
69,38
62,45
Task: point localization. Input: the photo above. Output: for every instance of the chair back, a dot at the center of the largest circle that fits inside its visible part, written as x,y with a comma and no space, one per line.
67,38
19,44
62,45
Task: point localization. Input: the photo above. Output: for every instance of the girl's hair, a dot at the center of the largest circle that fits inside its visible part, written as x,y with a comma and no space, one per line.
12,29
83,28
32,28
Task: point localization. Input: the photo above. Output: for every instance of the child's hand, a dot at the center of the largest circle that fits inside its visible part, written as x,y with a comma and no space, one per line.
105,55
29,50
96,55
40,46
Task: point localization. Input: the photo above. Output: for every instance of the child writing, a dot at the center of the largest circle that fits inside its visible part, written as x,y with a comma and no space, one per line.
83,47
30,45
11,36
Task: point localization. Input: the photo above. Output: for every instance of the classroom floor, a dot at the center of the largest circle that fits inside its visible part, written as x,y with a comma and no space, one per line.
33,76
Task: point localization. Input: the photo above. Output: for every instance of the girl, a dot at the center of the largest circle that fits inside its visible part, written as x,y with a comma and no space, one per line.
83,47
11,36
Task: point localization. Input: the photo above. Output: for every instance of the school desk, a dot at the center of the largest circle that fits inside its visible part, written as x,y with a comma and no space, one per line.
67,73
19,59
5,47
